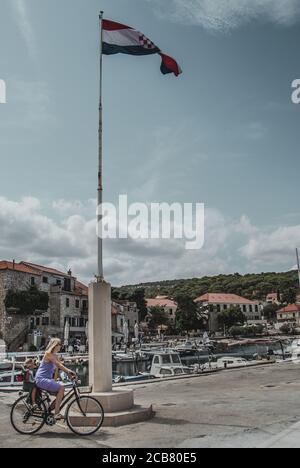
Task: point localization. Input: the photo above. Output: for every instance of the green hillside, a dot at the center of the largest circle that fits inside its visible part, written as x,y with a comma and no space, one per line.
252,286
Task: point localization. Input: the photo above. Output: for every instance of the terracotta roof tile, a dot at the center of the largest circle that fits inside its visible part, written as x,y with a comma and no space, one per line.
22,268
44,269
160,302
81,288
290,308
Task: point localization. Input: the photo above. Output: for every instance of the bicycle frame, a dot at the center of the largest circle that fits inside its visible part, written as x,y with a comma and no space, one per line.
67,398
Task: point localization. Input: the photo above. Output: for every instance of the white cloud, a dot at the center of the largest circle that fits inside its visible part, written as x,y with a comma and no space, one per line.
225,15
67,207
70,241
244,226
272,248
27,233
67,239
21,14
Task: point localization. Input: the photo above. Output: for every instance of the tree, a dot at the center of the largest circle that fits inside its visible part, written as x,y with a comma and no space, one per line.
188,317
270,310
139,298
28,301
289,296
288,329
231,317
118,295
250,285
157,318
278,296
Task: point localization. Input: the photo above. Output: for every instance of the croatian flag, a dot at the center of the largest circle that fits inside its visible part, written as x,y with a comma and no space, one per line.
121,39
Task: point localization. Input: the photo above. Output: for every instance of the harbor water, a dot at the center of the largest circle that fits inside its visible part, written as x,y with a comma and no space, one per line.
120,369
133,367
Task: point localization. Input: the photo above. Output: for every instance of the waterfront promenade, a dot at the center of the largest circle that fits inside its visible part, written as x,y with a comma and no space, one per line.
251,407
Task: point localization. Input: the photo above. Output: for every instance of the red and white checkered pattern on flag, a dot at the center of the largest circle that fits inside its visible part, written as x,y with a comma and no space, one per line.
146,42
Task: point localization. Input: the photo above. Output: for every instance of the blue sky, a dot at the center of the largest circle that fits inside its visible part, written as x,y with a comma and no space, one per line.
224,133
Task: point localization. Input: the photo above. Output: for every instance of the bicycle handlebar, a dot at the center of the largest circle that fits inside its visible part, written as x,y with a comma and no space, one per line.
75,380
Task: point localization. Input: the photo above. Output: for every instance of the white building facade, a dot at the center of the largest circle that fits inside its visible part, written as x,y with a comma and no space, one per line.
216,303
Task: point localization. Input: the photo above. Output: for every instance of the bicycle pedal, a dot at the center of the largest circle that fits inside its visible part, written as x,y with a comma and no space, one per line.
50,421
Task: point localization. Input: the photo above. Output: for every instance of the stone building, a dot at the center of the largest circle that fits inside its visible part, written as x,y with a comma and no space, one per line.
68,301
123,311
13,327
117,319
130,311
170,307
272,298
216,303
289,314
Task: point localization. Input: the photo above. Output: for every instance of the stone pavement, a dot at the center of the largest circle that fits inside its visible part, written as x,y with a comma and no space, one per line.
251,407
290,438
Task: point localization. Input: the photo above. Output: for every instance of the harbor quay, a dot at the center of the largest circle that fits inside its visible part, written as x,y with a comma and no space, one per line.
237,408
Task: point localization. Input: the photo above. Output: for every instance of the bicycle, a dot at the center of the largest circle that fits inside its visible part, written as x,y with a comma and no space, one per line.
84,414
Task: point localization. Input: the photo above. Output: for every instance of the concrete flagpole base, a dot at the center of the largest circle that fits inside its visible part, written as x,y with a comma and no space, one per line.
118,404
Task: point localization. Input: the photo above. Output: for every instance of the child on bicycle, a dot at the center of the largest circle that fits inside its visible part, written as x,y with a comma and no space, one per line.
29,378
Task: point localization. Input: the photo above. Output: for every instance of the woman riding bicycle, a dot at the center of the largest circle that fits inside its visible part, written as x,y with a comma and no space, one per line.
44,377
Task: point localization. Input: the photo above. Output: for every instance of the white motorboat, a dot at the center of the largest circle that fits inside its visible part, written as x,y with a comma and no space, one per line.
296,355
295,345
187,347
124,356
128,356
168,364
226,363
295,358
172,372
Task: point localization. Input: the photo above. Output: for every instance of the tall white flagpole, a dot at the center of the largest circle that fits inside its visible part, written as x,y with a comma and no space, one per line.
100,272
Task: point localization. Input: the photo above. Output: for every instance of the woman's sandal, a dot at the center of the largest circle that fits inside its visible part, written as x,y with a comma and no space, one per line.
59,417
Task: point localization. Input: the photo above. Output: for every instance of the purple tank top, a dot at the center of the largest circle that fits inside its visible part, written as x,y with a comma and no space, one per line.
45,371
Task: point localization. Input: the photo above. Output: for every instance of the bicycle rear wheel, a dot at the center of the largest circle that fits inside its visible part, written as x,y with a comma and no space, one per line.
25,418
85,416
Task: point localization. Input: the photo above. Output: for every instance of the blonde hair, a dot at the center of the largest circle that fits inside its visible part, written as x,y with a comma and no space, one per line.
54,342
29,362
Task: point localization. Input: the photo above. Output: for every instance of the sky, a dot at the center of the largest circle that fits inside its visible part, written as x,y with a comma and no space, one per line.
225,133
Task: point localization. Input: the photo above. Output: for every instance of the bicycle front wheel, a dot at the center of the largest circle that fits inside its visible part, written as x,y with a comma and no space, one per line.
25,418
85,415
